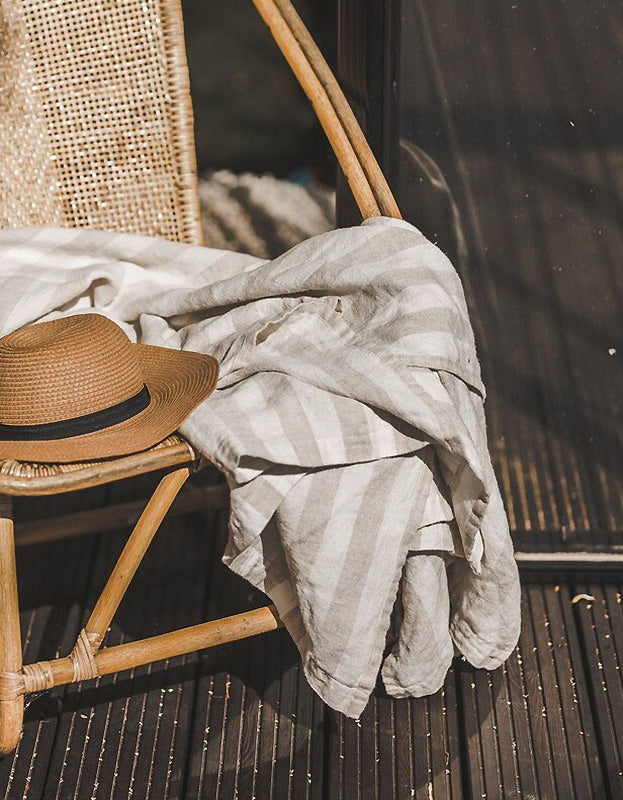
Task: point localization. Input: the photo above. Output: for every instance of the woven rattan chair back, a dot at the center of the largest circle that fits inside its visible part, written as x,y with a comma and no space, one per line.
95,117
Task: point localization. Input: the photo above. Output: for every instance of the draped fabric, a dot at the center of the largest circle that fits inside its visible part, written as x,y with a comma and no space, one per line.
348,420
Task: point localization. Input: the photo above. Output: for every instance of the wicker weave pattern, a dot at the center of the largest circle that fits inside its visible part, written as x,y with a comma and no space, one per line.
30,469
95,117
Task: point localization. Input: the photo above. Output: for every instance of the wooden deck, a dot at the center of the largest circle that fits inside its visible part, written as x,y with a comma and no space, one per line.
528,144
240,721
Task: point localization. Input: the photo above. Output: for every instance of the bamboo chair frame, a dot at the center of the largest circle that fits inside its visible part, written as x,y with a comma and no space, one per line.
88,659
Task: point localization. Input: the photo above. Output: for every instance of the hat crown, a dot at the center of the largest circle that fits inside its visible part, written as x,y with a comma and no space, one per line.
64,369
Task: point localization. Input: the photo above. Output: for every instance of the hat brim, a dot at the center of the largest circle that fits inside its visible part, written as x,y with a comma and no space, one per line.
178,381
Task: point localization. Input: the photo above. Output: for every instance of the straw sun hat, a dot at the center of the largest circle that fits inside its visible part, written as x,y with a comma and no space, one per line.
77,388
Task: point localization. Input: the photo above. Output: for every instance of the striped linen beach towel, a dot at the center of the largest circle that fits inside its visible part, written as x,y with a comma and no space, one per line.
348,420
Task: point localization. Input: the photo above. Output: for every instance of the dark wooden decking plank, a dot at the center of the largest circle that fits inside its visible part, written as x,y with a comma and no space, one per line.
243,776
51,625
422,744
529,726
125,734
272,726
269,702
307,765
405,774
350,755
522,745
511,777
284,755
448,778
564,719
218,749
334,755
586,740
209,761
368,752
232,683
169,596
437,768
601,625
52,580
386,746
554,712
269,698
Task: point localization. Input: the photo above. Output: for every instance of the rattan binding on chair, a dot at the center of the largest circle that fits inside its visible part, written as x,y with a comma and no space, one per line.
29,478
96,122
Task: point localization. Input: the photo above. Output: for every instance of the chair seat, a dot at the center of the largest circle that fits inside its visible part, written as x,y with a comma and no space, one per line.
30,478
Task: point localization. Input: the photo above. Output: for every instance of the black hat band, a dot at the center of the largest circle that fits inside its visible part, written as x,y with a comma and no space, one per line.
78,426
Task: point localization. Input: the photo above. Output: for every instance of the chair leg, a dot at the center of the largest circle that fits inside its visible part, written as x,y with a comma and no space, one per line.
132,555
11,706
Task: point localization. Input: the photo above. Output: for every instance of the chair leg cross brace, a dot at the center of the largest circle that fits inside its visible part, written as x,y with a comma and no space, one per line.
130,559
87,659
47,674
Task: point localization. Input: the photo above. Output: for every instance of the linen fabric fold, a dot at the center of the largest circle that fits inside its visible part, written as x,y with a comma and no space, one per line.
348,419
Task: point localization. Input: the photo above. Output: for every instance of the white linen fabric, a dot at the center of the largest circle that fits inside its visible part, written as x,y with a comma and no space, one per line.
348,420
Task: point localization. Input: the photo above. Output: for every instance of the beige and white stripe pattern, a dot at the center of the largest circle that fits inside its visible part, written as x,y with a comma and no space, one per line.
348,419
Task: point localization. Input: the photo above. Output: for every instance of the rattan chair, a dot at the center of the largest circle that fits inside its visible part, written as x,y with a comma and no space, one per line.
96,131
